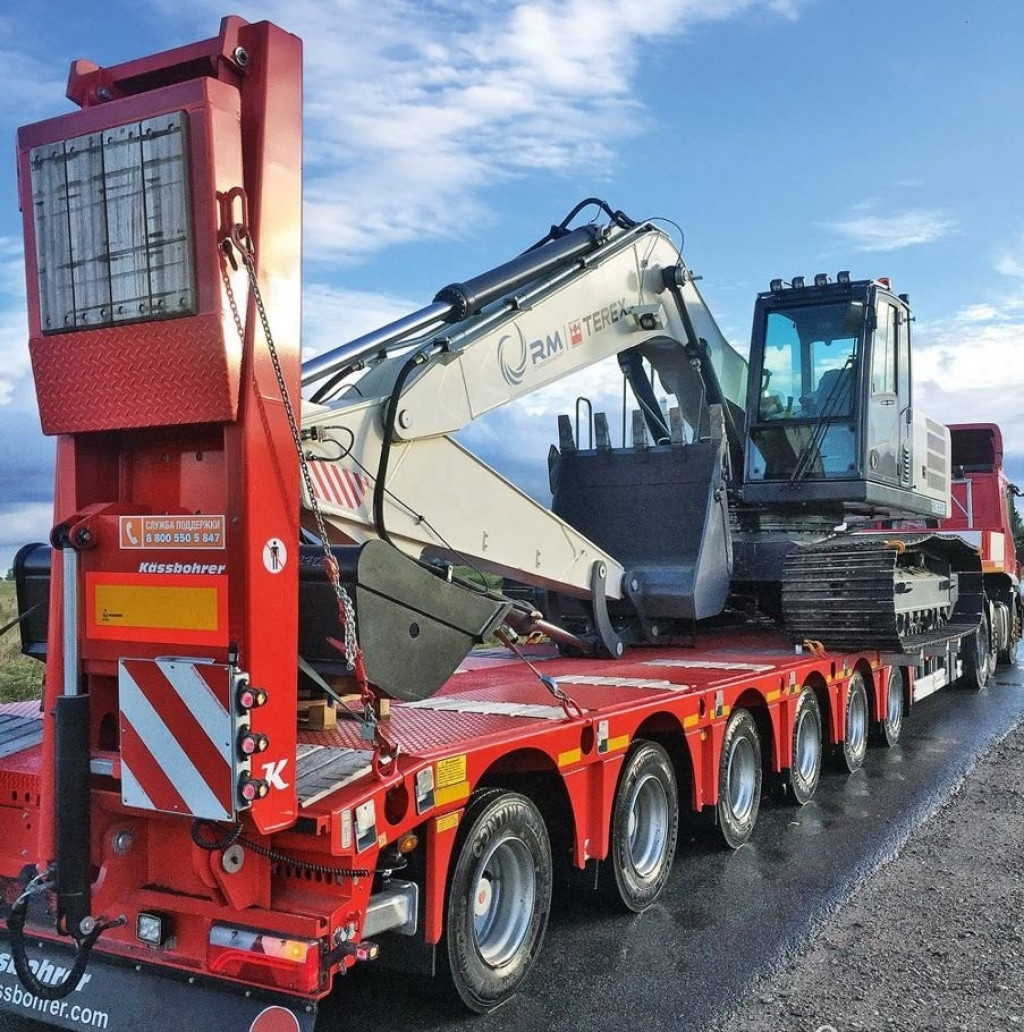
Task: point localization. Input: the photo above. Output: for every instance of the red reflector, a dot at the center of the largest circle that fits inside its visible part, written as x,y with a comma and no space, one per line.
252,956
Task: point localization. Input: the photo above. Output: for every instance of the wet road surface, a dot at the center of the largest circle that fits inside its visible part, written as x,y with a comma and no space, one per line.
725,917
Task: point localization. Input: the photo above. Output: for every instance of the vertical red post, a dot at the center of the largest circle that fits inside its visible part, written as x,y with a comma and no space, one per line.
262,461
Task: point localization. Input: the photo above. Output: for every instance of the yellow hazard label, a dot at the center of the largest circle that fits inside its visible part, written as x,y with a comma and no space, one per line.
451,771
447,822
566,759
618,743
167,608
451,794
137,607
773,696
691,720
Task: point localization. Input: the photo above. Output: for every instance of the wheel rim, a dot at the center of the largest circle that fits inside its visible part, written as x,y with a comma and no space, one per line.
857,722
504,900
647,829
741,779
894,709
808,744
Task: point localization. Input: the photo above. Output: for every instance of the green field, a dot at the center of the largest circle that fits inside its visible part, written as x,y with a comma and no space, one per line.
20,678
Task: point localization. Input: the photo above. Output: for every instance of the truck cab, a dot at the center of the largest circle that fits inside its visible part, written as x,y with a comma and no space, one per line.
830,416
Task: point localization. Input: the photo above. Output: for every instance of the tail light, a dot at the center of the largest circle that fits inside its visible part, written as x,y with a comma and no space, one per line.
253,956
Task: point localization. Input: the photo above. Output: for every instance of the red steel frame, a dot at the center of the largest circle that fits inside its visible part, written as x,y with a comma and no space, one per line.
688,712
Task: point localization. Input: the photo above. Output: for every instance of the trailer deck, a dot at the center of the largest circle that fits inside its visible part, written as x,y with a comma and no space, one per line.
495,703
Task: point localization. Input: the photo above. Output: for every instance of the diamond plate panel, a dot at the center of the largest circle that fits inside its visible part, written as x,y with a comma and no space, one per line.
146,374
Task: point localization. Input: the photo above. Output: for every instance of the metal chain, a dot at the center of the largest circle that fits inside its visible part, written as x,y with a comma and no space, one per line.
346,609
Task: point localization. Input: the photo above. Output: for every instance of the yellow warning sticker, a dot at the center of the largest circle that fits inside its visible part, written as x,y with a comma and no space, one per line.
566,759
691,721
450,771
135,605
451,794
621,742
447,822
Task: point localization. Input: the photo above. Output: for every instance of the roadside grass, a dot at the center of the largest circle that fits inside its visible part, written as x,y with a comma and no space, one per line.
20,677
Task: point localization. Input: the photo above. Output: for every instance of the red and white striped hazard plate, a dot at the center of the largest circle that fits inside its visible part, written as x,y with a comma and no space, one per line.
177,737
338,486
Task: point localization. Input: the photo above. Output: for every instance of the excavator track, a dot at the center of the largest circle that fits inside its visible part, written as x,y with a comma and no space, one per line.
891,592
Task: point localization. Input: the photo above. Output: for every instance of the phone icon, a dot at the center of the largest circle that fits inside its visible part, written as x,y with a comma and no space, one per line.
130,534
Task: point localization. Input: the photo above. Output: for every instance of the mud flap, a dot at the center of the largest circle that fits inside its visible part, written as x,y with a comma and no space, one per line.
115,996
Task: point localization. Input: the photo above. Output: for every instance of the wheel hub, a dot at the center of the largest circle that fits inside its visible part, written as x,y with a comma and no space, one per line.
808,744
504,900
741,778
648,825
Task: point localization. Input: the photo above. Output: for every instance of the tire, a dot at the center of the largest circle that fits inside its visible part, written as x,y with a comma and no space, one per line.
976,658
499,897
805,773
888,729
739,779
1008,657
644,828
852,750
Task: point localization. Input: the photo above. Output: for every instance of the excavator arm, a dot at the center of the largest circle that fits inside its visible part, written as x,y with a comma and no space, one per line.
383,460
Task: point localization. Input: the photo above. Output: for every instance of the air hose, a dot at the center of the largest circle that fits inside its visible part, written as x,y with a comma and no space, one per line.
84,942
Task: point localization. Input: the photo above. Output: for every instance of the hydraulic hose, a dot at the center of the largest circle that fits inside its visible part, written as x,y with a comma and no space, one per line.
84,943
390,415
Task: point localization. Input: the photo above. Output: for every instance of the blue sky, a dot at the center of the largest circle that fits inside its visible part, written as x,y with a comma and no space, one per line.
785,136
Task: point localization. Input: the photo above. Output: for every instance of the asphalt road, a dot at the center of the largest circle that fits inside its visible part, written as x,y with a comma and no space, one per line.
725,918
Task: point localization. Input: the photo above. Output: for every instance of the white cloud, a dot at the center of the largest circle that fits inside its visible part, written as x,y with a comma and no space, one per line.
867,229
332,316
970,364
20,524
30,86
14,360
413,110
1010,260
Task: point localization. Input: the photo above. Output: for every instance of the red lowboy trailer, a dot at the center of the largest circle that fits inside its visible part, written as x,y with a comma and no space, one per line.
168,829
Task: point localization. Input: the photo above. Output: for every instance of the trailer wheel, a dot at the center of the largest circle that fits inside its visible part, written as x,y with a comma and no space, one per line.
977,657
739,779
1008,656
499,897
645,826
890,726
806,770
851,752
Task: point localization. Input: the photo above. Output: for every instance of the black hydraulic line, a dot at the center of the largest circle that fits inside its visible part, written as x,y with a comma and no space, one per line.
632,365
712,385
619,217
480,291
390,416
84,942
71,719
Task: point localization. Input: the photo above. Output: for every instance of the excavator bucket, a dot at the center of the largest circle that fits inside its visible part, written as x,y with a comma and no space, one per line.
662,511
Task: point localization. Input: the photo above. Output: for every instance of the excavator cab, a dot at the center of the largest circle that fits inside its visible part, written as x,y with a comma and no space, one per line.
830,417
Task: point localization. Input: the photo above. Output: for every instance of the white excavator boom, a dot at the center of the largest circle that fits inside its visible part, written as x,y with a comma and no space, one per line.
402,396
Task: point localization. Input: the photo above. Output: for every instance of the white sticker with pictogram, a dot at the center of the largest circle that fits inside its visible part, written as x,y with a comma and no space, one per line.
275,555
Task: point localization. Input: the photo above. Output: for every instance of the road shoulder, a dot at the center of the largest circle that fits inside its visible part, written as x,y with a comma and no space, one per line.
932,940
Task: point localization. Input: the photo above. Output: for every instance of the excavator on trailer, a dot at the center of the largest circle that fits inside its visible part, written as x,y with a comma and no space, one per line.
735,489
222,545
